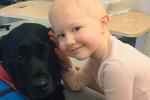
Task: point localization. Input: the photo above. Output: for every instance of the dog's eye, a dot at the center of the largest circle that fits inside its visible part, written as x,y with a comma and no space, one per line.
21,58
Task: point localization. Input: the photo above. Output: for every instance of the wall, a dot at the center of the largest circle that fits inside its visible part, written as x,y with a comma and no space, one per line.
143,42
143,6
120,6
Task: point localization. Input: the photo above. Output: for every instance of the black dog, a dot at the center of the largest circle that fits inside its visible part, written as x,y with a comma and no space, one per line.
27,55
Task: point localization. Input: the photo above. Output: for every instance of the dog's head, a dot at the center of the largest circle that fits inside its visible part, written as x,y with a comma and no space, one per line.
27,54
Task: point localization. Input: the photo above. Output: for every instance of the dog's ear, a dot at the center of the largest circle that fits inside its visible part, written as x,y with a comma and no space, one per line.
1,50
3,42
1,47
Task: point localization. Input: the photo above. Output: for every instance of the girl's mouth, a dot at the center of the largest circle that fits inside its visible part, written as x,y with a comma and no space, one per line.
76,49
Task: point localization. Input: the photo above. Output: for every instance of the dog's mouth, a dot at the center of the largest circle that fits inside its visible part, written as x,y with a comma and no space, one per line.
35,93
41,95
40,88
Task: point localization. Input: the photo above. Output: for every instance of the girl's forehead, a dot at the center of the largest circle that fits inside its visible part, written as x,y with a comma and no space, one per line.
65,23
70,9
70,13
68,17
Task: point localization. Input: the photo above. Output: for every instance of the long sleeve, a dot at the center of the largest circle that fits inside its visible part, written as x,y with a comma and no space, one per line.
76,80
117,82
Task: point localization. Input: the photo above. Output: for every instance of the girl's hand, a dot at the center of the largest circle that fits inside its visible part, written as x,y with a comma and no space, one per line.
64,59
54,38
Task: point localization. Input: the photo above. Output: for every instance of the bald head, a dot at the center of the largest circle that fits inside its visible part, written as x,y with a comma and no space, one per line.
92,8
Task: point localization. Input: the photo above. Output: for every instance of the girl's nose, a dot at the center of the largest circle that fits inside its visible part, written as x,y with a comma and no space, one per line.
70,40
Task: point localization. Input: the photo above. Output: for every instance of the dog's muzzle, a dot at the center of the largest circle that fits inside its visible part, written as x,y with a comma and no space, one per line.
40,86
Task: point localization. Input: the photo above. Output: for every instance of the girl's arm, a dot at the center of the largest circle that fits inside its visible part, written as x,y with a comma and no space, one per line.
76,80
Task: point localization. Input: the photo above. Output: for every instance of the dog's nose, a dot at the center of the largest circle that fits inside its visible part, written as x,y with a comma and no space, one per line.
41,84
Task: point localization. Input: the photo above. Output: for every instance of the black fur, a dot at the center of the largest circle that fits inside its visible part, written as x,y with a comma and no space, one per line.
27,54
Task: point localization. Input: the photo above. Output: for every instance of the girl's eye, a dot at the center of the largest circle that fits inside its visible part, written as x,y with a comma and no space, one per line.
61,35
76,28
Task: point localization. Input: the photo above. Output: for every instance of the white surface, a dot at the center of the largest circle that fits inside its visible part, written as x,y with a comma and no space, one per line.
27,10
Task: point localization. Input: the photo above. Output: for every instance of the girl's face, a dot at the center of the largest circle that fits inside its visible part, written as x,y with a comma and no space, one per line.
80,36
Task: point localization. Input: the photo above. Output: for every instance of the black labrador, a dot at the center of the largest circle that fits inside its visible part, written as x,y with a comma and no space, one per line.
27,55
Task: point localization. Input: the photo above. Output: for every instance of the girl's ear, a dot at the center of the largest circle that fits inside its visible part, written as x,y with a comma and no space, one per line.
105,21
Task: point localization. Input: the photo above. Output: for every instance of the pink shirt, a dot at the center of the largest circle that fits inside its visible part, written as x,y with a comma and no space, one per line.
123,75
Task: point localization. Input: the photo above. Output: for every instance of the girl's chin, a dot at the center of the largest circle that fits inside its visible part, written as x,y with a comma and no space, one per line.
79,57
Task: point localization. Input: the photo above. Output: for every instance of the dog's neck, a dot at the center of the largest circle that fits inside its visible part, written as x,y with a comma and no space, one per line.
4,76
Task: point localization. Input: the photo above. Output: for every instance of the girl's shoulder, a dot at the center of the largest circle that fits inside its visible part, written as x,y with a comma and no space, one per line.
112,65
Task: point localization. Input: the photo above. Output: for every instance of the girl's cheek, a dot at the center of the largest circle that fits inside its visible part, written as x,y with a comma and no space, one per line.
82,38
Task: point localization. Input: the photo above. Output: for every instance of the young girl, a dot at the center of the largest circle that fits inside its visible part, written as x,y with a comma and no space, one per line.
114,68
